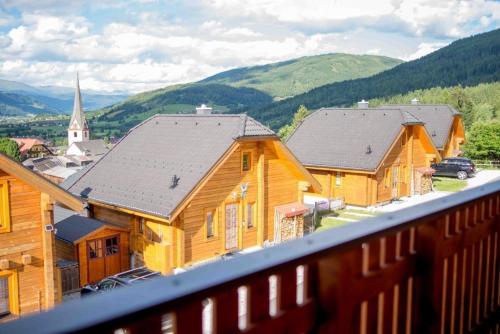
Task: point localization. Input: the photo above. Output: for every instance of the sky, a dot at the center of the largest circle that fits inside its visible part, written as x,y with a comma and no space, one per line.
134,46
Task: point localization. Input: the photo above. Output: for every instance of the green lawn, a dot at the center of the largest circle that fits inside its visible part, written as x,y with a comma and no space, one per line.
448,184
342,217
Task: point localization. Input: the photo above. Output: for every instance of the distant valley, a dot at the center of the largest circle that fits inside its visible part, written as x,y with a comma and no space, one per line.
19,99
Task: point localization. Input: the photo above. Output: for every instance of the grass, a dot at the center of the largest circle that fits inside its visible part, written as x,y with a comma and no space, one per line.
338,218
448,184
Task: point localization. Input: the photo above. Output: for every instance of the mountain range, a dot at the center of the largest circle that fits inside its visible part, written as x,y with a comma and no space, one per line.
19,99
467,62
247,87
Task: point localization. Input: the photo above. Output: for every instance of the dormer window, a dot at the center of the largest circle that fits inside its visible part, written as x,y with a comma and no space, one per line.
75,134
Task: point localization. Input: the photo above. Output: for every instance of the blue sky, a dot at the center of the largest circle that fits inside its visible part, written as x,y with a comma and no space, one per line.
135,46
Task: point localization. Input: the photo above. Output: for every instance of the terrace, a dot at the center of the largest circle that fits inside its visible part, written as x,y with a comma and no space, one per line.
431,268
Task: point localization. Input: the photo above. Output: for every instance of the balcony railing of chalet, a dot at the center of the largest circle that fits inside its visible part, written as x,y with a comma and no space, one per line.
431,268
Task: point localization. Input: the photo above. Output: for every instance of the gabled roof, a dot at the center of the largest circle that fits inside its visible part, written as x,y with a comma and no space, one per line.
438,119
39,182
347,138
137,172
26,144
78,121
75,227
92,147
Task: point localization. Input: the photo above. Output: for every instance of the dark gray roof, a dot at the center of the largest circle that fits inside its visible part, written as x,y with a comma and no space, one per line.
137,172
438,119
92,147
75,227
339,138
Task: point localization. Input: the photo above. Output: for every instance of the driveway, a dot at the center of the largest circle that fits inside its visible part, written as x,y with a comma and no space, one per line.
482,177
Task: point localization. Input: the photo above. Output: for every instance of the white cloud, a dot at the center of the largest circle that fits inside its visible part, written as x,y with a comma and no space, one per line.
424,49
140,46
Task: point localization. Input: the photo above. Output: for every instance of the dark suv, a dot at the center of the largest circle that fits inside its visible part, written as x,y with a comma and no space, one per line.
455,167
122,279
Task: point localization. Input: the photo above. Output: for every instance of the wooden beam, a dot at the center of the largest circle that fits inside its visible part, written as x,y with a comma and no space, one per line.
260,194
131,212
48,241
57,193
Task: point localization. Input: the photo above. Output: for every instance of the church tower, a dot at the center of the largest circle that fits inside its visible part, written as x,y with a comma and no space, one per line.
78,130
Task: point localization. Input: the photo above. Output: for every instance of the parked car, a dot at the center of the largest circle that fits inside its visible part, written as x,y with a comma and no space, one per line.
460,168
119,280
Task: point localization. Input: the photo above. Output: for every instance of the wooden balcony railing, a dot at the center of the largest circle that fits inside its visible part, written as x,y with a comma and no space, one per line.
432,268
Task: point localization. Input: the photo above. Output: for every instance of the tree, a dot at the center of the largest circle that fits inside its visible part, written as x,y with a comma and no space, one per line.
299,116
10,148
484,141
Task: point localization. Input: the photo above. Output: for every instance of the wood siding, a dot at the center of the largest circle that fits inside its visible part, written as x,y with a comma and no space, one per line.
65,250
411,150
455,139
83,253
25,238
272,180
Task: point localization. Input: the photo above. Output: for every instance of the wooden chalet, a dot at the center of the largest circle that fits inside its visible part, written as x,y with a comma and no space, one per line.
192,188
29,280
443,123
32,148
365,156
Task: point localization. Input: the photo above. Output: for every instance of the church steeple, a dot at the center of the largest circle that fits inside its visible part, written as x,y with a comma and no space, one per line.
78,130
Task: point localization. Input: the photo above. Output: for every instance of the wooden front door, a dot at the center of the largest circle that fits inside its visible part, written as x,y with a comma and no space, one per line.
103,257
231,226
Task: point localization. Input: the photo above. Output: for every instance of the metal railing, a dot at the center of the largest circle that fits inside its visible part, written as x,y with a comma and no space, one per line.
431,268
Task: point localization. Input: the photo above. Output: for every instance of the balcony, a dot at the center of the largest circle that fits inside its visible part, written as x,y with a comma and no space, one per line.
432,268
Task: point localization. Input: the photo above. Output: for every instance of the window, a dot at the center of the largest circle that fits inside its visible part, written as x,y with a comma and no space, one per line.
107,285
74,134
338,179
246,161
250,215
4,207
4,296
210,223
140,225
112,246
387,178
95,249
9,303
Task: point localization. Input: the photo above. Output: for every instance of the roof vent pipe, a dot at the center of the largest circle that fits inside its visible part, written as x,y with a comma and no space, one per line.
414,101
203,110
363,104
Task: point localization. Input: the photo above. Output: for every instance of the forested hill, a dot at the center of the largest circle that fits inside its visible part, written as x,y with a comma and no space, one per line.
289,78
468,61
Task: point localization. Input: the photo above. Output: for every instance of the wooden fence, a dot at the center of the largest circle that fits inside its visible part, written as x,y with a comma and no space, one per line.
431,268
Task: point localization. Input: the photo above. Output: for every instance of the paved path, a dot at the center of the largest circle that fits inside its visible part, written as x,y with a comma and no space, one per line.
481,178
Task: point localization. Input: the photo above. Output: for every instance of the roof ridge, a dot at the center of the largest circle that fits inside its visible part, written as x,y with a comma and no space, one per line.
243,125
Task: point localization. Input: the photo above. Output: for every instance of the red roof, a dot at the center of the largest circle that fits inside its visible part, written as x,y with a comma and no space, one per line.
292,209
25,144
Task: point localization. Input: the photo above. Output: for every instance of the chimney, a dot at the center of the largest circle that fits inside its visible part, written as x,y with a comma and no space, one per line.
203,110
363,104
414,101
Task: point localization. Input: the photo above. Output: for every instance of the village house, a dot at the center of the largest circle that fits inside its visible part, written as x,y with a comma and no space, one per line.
365,156
32,148
190,188
443,123
29,279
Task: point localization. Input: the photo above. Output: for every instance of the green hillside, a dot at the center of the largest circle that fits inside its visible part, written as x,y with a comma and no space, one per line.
13,104
477,104
286,79
468,62
243,88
